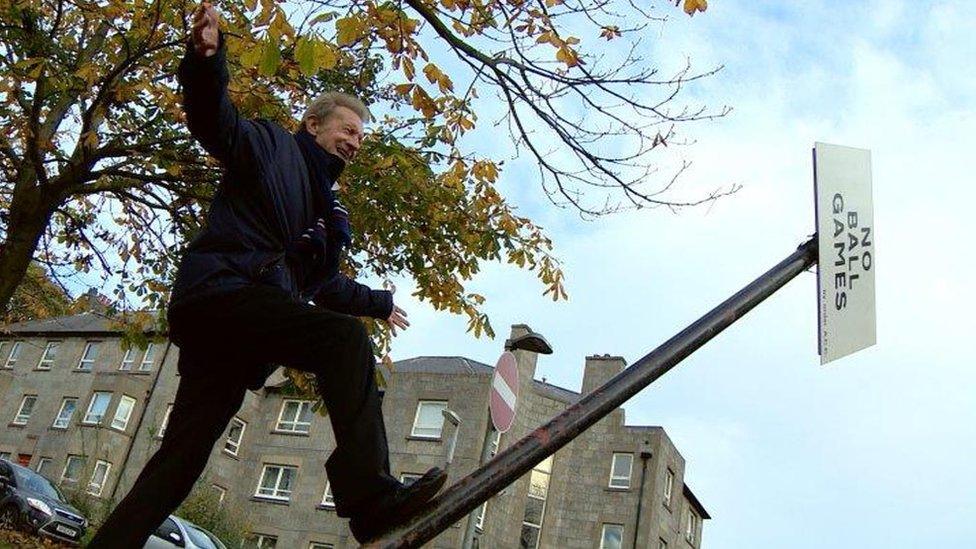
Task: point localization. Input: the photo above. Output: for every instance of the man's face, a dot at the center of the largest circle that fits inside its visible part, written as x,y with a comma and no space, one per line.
340,133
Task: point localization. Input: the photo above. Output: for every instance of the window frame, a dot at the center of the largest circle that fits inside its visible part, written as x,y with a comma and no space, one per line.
14,355
91,482
91,403
277,482
543,467
67,422
128,415
46,362
165,423
669,478
328,499
295,423
240,439
625,479
416,417
67,464
603,533
146,364
41,462
691,526
260,539
127,360
20,411
482,512
89,344
221,491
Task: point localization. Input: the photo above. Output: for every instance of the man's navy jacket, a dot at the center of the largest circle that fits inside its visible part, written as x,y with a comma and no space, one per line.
263,203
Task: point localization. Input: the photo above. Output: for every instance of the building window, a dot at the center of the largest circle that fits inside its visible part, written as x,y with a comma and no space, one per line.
147,358
235,435
276,482
668,487
89,356
221,492
14,355
43,466
261,541
429,419
68,406
48,356
26,408
496,440
98,477
97,408
72,469
320,545
162,426
409,478
535,505
327,499
620,470
691,526
613,536
482,511
128,359
123,412
295,416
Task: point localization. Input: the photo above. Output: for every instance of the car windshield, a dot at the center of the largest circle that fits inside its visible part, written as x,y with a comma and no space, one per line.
29,480
199,537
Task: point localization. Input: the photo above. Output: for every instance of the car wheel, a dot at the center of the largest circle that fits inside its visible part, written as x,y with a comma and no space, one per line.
10,518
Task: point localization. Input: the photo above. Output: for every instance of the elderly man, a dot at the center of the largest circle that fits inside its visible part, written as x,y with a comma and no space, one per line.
241,303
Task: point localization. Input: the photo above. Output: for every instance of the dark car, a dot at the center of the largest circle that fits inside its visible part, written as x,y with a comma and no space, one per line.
32,503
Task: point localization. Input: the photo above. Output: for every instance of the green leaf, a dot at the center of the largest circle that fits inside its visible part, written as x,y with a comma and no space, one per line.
305,55
270,59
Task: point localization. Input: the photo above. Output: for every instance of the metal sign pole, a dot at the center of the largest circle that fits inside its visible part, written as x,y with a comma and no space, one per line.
519,458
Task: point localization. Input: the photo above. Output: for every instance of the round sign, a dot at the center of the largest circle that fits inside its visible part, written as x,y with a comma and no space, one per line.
504,392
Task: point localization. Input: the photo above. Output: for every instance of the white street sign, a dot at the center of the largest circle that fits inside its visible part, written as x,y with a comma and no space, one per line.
846,264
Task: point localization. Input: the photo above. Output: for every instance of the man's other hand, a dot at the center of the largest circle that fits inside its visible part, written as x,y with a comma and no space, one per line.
398,319
205,26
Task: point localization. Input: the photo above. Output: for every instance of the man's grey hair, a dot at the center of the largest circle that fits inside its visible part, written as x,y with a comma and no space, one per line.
322,106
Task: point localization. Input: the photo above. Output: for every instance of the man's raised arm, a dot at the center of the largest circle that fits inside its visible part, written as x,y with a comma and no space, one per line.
211,117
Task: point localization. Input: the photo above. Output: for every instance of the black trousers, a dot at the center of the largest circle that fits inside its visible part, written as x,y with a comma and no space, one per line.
224,341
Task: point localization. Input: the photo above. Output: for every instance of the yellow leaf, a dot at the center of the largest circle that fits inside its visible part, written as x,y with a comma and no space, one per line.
349,30
408,68
325,55
691,6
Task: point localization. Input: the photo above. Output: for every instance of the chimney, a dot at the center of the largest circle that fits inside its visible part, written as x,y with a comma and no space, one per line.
599,369
526,360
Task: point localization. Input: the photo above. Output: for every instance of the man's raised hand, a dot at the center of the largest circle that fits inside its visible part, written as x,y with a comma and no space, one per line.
204,32
397,319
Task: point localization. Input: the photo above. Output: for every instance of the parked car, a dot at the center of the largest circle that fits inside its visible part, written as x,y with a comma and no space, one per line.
178,532
31,503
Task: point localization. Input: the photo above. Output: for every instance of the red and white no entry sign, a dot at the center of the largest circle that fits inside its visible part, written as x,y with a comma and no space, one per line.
504,392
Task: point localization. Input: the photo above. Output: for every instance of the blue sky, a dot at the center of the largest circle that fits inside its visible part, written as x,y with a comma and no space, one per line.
872,451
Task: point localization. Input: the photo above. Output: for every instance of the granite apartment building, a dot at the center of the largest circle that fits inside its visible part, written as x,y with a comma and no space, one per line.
88,413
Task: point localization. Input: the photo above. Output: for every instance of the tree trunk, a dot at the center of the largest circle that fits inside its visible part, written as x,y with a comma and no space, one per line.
30,214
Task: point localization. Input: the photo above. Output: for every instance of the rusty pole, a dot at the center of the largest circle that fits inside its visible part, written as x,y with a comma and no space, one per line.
519,458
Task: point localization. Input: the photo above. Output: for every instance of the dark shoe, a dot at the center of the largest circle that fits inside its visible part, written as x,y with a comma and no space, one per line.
380,515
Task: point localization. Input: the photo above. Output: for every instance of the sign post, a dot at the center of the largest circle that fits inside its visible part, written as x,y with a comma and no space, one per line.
502,401
845,243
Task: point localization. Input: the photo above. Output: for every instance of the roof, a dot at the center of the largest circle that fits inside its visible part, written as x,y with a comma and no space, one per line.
85,322
90,322
695,503
462,365
442,365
